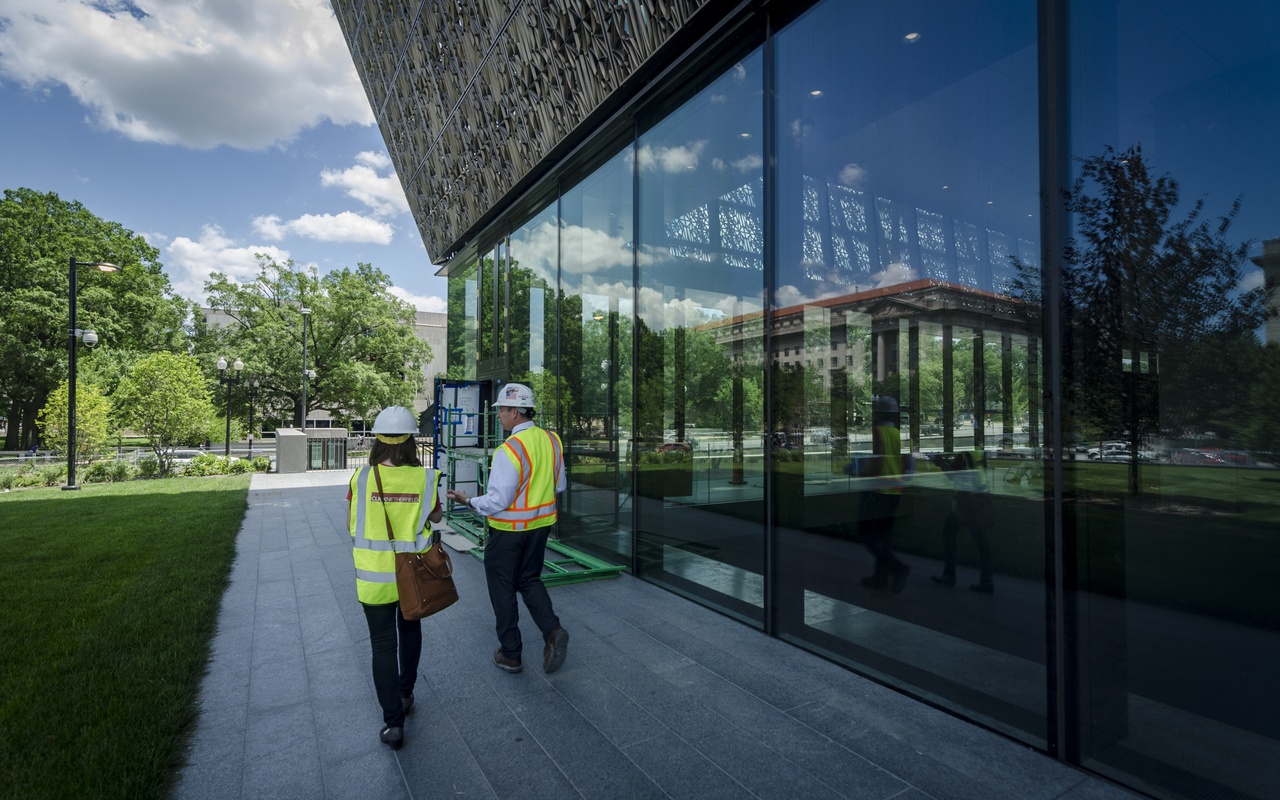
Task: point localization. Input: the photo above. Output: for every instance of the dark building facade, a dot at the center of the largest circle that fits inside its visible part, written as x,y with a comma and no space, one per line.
718,238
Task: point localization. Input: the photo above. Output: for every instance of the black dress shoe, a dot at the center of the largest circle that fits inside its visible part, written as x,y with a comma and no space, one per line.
506,664
876,582
392,736
557,647
407,702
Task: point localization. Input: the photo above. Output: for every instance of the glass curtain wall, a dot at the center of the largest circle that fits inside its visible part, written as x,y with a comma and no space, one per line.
596,312
699,392
908,478
1172,373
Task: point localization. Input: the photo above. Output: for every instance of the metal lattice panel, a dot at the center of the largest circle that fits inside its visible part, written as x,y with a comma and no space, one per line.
471,95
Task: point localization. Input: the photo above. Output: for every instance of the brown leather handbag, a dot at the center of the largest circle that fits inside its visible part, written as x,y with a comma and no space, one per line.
423,580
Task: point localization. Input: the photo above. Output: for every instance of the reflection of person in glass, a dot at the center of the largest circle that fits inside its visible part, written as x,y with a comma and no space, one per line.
880,501
972,509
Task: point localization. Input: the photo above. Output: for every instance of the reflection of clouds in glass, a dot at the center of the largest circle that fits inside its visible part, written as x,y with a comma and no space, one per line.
739,72
660,312
792,295
671,159
1252,279
895,273
591,250
748,164
535,249
585,250
853,176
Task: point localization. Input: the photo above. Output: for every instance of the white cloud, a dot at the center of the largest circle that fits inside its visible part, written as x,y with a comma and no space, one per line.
420,302
672,159
197,73
346,226
381,193
853,176
189,263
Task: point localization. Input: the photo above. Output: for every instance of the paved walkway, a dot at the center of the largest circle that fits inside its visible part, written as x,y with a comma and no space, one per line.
659,698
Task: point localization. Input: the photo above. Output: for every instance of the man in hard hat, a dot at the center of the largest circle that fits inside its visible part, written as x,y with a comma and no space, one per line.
520,503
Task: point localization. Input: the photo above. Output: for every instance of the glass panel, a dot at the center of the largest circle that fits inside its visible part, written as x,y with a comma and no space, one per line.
485,316
911,539
532,278
699,396
464,324
597,259
1171,379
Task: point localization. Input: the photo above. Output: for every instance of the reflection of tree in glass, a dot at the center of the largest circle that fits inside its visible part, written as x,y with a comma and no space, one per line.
1157,325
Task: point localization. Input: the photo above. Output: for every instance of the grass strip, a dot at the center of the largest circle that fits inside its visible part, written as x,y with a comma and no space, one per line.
110,597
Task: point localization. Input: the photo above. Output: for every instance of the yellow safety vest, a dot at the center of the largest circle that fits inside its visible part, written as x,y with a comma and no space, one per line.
888,466
409,495
536,455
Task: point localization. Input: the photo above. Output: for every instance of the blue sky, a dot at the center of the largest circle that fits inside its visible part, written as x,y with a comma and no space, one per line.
215,128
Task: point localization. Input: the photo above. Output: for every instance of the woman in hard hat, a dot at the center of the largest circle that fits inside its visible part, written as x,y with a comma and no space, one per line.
390,503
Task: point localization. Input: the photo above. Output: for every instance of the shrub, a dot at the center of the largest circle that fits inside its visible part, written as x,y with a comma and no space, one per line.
51,476
207,464
148,467
240,466
262,464
98,472
8,477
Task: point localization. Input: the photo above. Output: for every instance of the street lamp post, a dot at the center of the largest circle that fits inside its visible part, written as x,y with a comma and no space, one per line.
306,314
90,339
251,389
229,381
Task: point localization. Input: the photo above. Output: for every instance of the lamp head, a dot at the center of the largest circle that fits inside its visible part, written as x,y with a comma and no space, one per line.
222,364
304,311
90,338
239,365
103,266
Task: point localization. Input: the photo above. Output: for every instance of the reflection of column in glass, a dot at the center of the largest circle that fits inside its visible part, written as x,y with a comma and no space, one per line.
1006,387
1268,257
979,391
948,392
537,329
913,386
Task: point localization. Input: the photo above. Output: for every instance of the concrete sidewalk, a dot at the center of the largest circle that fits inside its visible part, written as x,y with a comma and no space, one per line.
659,698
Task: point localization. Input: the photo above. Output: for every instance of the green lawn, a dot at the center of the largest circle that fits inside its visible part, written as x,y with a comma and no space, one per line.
110,598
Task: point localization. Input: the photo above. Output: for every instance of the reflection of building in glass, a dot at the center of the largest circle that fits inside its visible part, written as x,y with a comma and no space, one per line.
1269,260
875,337
709,235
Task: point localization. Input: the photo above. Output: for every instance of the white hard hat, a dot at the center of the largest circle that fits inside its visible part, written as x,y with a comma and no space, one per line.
516,395
395,424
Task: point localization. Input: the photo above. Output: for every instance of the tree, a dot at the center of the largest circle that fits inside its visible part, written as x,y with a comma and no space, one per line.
93,415
133,310
1153,308
165,397
361,340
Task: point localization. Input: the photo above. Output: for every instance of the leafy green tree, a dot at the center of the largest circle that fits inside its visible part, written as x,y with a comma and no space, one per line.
1153,308
361,340
133,310
93,418
165,397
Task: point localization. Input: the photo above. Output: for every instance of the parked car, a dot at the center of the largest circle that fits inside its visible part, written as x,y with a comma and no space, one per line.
1107,449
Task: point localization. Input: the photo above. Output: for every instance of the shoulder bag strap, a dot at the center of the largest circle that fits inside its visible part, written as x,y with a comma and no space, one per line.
387,517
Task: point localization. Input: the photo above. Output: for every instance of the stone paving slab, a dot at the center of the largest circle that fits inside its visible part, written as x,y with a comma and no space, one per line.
660,697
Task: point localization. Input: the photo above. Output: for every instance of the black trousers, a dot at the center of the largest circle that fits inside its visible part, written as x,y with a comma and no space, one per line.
395,668
875,525
513,563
